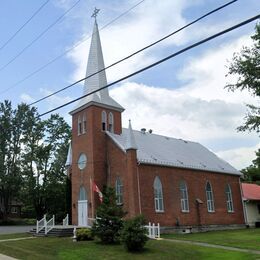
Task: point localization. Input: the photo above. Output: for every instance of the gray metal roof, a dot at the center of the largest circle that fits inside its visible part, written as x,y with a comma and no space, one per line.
167,151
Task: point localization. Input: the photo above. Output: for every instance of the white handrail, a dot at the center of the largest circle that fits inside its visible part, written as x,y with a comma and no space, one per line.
153,230
40,224
65,221
50,225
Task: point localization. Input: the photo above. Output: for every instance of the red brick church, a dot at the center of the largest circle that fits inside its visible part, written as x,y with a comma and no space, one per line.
170,181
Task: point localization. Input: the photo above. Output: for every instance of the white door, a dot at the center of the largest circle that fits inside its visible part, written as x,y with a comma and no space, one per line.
82,213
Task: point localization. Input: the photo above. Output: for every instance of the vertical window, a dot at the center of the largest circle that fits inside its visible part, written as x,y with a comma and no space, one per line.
119,191
230,207
184,197
210,199
111,123
104,120
82,193
84,124
158,195
79,126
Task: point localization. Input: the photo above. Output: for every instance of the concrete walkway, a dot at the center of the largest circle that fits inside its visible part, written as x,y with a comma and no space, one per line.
214,246
5,257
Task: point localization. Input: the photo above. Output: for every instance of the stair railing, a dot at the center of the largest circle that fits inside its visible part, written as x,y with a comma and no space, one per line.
50,225
65,221
41,224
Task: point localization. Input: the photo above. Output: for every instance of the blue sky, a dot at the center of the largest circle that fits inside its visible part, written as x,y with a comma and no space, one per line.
182,98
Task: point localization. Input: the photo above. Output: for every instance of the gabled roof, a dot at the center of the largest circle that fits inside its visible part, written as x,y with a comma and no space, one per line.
251,191
167,151
99,80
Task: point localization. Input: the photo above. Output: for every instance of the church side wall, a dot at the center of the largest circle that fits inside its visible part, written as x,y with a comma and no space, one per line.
196,182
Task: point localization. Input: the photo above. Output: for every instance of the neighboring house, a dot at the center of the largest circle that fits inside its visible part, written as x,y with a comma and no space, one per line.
14,208
251,199
174,182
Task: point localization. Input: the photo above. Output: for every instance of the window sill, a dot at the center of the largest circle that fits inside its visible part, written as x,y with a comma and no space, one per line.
231,211
185,211
212,211
159,211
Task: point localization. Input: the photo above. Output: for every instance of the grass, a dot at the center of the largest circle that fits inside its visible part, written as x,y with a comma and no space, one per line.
245,238
65,249
9,236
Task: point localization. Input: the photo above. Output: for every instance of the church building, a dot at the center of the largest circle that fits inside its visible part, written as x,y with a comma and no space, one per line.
174,182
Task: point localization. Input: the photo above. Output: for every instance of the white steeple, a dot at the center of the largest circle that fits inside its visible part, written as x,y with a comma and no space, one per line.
99,80
130,139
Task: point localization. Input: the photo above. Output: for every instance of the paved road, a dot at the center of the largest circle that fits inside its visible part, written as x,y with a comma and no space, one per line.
14,229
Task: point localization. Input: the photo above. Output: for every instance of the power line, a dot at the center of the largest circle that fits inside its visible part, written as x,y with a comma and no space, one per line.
38,37
67,51
160,61
136,52
33,15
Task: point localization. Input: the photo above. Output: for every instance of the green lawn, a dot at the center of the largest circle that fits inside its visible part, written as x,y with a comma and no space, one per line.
8,236
245,238
64,248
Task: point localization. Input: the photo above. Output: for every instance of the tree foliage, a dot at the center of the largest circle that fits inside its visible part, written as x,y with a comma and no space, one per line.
32,160
252,173
109,218
246,65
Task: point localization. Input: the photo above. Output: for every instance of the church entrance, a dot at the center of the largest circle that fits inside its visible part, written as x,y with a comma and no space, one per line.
82,213
82,208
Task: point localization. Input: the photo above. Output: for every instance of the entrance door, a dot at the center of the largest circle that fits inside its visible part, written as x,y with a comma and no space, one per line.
82,213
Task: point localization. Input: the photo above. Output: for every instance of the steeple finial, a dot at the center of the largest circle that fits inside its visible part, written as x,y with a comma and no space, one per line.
95,13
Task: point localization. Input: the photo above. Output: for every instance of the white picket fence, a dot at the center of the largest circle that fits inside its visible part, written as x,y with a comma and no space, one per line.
153,230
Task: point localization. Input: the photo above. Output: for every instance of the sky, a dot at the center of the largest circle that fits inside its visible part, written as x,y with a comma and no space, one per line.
184,97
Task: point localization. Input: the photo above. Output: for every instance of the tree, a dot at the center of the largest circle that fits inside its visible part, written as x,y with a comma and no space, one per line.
246,65
252,173
109,218
11,132
46,145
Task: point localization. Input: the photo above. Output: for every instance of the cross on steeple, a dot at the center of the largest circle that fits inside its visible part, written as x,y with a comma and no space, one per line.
94,15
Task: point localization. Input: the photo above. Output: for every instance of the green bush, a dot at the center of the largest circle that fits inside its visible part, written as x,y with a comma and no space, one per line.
133,234
84,234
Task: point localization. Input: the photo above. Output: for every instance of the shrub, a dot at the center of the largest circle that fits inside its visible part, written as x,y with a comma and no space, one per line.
133,234
109,222
84,234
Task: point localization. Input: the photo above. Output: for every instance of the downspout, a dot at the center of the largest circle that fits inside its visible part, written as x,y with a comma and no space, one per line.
138,186
243,204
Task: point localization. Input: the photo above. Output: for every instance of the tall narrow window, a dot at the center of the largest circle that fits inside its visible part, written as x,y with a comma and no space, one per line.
119,191
111,123
184,197
158,195
104,120
230,207
210,199
79,126
84,123
82,193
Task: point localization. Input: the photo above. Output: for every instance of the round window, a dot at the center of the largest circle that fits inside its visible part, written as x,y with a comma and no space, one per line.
82,161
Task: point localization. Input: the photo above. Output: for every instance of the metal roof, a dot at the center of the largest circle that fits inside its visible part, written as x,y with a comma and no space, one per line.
167,151
251,191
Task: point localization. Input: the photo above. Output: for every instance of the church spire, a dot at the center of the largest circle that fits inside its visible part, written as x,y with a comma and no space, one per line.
99,80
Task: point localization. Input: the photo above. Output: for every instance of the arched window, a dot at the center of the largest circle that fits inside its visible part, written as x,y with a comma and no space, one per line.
82,193
79,125
210,199
111,122
158,195
230,207
104,120
184,197
84,123
119,191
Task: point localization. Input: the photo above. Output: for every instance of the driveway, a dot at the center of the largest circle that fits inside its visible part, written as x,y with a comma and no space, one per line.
15,229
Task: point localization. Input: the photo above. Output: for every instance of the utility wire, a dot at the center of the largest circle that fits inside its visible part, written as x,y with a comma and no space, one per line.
136,52
38,37
67,51
34,14
159,61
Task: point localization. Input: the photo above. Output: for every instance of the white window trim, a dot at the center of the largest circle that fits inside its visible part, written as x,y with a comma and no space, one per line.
158,199
210,202
183,200
103,120
119,191
229,199
111,122
79,123
84,125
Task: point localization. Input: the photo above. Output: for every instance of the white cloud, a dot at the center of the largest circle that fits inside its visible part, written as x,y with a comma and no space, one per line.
241,157
26,98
